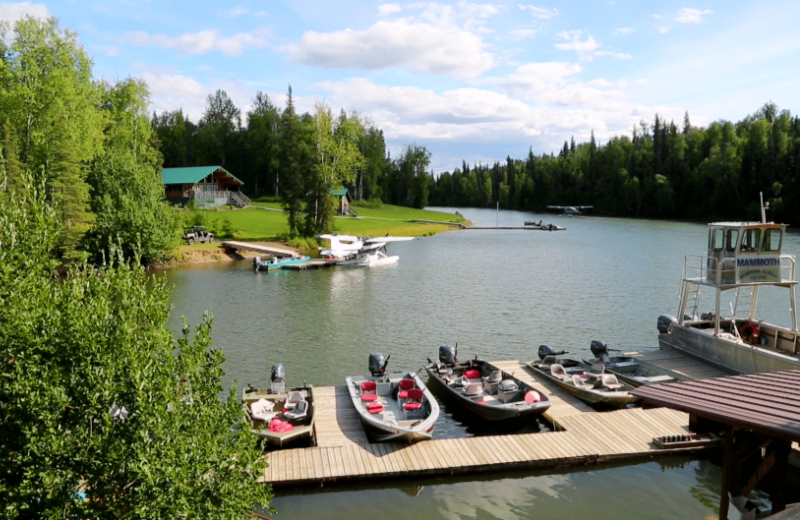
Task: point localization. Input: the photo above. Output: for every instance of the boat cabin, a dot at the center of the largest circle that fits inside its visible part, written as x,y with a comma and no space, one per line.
744,252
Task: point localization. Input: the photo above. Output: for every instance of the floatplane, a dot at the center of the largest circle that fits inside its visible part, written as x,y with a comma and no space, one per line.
360,251
570,210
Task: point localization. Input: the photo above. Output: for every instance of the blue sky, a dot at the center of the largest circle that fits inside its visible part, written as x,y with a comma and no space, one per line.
471,81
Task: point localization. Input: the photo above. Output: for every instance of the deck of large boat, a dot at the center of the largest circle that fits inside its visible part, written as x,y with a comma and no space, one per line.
581,436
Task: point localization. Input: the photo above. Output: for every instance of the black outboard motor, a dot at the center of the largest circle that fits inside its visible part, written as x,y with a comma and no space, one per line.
377,364
546,350
665,321
277,379
447,355
598,348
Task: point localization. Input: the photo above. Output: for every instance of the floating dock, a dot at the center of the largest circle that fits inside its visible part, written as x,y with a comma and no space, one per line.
582,436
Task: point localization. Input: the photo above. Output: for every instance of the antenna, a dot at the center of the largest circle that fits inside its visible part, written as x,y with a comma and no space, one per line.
764,208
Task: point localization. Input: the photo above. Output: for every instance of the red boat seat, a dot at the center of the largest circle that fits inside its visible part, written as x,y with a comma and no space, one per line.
415,394
472,374
414,405
368,386
407,384
375,408
369,398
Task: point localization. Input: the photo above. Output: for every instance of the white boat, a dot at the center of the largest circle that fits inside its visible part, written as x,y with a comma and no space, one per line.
742,258
360,251
394,407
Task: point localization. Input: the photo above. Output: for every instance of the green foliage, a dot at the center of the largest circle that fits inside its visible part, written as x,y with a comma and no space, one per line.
75,348
47,96
372,203
127,193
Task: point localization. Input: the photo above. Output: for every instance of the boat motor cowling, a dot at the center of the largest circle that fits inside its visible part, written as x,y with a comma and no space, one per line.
598,348
377,364
547,350
447,355
664,322
277,379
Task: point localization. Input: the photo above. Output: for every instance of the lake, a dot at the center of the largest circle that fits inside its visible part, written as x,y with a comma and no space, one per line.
498,294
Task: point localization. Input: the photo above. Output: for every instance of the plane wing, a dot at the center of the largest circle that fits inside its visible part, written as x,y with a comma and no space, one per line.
375,240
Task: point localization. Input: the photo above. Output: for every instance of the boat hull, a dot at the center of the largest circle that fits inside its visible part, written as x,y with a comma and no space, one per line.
620,399
394,424
730,355
302,431
494,410
267,265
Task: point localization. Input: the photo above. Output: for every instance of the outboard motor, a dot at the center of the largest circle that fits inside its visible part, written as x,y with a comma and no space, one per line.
447,355
546,350
256,263
277,380
599,349
377,364
665,321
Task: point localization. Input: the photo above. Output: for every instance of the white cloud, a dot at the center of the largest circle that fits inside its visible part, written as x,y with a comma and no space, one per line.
260,13
523,33
200,42
235,12
663,29
623,30
640,81
387,9
14,11
442,49
690,15
587,49
541,13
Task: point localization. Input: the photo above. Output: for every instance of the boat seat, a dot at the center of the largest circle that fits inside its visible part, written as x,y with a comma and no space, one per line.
369,393
557,371
472,373
473,389
461,381
549,360
405,385
299,411
494,377
610,381
292,398
375,408
413,407
596,370
579,382
263,410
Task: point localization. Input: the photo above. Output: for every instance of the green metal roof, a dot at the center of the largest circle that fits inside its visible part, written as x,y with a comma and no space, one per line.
339,193
191,174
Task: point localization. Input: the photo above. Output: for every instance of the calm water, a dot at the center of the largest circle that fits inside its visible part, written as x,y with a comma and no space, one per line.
498,294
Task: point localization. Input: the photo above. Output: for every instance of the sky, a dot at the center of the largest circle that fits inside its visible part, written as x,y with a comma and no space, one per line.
473,82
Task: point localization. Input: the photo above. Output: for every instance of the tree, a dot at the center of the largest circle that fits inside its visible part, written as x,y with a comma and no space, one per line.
98,397
263,122
217,133
336,160
47,95
290,160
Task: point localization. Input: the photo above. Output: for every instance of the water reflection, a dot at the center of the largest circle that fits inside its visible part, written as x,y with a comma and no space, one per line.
659,489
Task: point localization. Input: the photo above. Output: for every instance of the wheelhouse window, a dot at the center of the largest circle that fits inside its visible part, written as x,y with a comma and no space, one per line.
717,240
731,239
772,241
751,240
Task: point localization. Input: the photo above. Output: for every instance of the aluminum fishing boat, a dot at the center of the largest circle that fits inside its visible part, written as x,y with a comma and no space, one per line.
629,369
395,407
591,385
742,258
277,415
483,389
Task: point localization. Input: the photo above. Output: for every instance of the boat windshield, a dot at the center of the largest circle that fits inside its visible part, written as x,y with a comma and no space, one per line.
751,239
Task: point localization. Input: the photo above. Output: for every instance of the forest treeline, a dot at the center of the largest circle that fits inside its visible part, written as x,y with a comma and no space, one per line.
659,171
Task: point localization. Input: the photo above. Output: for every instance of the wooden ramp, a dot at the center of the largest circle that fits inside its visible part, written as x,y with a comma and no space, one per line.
267,249
343,452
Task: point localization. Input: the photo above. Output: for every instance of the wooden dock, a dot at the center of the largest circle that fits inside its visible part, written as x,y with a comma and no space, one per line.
584,436
260,248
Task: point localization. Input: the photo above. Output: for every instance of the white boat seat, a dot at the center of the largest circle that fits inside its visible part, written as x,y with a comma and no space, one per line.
610,381
473,389
596,370
292,398
299,411
263,410
557,371
494,377
579,382
461,381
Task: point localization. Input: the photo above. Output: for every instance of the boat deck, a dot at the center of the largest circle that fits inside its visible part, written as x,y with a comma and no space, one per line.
586,436
687,367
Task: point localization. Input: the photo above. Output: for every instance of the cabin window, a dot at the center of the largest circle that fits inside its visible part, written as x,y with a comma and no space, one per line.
750,240
717,240
772,241
732,238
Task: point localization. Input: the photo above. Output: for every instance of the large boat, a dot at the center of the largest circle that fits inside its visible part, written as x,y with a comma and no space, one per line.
278,262
395,407
742,258
483,389
278,416
590,384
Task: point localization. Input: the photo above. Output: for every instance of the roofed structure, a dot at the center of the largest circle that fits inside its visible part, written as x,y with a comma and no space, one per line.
754,412
209,186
